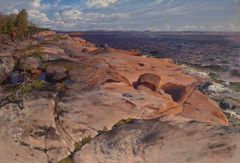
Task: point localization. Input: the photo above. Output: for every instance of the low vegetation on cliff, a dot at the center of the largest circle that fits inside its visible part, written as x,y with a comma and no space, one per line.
17,25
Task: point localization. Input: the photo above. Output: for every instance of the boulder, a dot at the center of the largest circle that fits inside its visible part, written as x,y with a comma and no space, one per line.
32,134
56,73
225,105
168,140
31,63
148,80
201,108
204,87
44,34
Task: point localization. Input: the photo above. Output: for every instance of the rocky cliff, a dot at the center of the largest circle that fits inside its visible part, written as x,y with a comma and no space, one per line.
62,97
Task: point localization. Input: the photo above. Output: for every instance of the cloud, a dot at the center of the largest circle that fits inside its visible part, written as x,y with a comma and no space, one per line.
234,27
129,14
77,16
36,3
101,3
218,28
71,14
37,16
192,28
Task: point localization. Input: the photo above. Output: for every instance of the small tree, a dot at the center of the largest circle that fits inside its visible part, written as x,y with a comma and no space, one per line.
10,26
2,22
17,25
22,23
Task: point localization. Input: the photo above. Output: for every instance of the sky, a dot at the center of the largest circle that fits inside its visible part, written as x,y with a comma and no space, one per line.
134,15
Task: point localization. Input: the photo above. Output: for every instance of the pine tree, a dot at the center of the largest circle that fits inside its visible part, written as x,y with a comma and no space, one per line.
10,27
22,23
17,25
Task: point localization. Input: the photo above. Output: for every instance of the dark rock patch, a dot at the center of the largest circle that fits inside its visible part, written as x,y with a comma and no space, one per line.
176,91
148,80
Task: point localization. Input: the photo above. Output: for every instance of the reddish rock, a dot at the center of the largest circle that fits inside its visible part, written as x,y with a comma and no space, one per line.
44,34
56,73
200,107
102,94
31,63
149,80
165,140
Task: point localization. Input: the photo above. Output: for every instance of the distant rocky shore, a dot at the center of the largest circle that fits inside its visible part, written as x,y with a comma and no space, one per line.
62,99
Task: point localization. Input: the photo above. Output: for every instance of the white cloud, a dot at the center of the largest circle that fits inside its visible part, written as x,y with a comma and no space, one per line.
77,16
168,27
192,28
101,3
14,11
235,27
218,28
36,3
38,16
72,14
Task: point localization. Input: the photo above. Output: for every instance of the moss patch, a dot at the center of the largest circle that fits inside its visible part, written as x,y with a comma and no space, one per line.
123,122
77,147
215,77
80,144
29,87
235,86
66,160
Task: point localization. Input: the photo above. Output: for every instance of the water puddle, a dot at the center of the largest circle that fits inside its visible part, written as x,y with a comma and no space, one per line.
17,77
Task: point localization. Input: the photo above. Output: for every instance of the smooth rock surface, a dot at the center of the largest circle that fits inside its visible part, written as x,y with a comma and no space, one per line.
168,140
99,93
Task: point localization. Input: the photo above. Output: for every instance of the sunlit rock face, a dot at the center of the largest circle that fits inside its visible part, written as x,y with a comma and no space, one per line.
83,93
169,139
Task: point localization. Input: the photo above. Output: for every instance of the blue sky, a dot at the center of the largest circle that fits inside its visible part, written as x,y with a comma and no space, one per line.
155,15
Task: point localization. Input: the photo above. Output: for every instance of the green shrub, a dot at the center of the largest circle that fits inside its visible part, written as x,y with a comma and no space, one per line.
66,160
37,84
235,86
26,88
80,144
103,130
58,38
123,122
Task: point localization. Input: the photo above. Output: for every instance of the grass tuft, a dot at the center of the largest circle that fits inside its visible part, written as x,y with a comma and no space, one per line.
80,144
123,122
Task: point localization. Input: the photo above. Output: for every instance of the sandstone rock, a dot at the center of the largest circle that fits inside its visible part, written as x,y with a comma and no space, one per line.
51,53
148,80
168,140
31,63
32,134
6,66
77,46
179,93
56,73
44,34
200,107
54,118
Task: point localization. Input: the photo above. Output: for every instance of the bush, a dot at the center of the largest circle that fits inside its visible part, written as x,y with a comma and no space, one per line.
80,144
66,160
123,122
235,86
